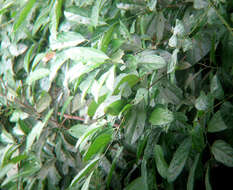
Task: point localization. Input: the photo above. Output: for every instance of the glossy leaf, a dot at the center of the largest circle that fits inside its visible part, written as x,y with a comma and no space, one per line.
178,161
65,40
161,116
216,88
191,177
88,168
98,145
222,152
78,130
207,179
216,123
161,164
130,79
37,75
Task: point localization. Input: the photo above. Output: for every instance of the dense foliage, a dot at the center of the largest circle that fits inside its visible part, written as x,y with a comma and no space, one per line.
115,94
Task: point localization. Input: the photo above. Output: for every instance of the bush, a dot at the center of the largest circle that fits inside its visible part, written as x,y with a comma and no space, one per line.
116,94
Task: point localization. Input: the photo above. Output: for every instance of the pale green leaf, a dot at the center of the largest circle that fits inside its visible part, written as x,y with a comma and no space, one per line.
95,13
78,130
65,105
65,40
37,74
43,102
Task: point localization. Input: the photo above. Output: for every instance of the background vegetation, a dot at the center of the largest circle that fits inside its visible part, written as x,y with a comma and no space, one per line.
116,94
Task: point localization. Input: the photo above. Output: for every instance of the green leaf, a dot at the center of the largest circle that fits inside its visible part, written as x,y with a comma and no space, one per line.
191,177
41,20
152,4
130,79
200,4
222,152
116,158
90,131
179,159
64,107
216,88
197,134
43,102
95,13
56,64
23,15
65,40
25,128
173,63
107,38
207,179
202,102
27,58
136,184
37,74
142,93
216,123
55,17
161,164
151,61
86,54
161,116
115,107
94,106
88,168
87,182
78,130
4,170
35,132
98,145
6,5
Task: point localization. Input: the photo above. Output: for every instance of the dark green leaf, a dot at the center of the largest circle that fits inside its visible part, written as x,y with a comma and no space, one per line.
222,152
191,177
88,168
161,164
216,123
179,159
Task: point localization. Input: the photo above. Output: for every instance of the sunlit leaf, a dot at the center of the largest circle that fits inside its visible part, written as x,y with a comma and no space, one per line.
23,15
161,116
37,75
66,39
